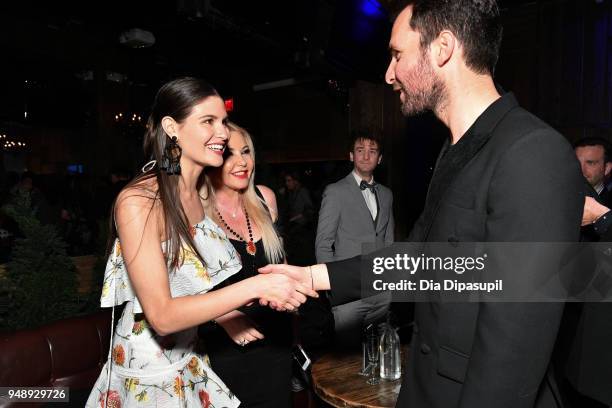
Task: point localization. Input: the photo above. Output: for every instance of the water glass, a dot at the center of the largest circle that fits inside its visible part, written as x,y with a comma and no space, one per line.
365,361
372,347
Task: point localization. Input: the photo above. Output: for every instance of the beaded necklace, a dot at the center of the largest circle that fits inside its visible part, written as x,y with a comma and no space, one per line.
250,245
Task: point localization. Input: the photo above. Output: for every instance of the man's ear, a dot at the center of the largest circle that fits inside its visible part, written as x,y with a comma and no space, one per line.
379,159
352,159
608,168
443,48
169,125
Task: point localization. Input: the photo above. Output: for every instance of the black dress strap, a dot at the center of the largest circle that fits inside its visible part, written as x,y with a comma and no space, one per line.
263,200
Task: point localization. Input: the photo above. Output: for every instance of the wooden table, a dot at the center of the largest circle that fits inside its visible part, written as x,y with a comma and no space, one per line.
335,381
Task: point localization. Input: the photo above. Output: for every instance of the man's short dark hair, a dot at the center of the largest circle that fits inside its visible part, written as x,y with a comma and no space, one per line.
365,134
595,141
476,23
294,175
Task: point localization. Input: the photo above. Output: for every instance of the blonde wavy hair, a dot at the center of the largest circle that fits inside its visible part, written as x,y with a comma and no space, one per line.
254,205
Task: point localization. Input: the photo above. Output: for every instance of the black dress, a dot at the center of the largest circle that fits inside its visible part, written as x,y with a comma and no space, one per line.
259,374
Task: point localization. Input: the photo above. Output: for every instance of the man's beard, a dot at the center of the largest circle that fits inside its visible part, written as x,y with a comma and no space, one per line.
427,92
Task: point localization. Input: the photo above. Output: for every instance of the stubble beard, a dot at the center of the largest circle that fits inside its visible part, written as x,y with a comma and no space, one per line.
428,90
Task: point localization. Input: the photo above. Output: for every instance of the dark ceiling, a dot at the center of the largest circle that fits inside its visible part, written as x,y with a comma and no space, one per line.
58,55
62,48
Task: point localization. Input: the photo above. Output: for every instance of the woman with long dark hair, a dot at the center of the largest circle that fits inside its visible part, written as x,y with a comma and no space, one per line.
250,348
167,254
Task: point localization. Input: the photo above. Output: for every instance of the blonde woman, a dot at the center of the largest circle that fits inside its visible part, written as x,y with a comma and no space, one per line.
251,347
167,256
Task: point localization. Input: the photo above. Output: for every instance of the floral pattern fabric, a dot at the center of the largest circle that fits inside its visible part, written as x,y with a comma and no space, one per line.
147,369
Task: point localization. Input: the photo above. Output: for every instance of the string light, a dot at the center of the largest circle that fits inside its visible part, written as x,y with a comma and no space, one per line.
8,144
134,117
130,122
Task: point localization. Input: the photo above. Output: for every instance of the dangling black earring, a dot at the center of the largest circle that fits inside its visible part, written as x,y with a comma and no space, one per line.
172,157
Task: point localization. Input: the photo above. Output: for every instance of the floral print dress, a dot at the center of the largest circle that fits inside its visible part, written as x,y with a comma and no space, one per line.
148,370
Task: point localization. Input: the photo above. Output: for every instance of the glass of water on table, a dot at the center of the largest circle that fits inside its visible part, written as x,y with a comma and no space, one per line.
372,347
365,361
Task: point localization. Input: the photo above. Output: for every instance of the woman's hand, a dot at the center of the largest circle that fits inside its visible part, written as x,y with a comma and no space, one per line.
311,278
239,327
281,292
592,211
297,273
315,277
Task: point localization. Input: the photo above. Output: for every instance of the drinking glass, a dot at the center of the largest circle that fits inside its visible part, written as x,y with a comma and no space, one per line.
372,347
365,360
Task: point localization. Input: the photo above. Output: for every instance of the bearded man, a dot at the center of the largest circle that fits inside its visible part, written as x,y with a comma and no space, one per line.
504,176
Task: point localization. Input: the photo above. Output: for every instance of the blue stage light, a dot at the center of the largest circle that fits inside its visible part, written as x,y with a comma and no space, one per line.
371,8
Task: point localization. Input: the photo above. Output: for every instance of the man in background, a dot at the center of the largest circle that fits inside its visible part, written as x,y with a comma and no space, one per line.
354,211
594,156
587,327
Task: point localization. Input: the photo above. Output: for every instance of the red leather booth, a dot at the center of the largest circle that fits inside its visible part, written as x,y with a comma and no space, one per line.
67,353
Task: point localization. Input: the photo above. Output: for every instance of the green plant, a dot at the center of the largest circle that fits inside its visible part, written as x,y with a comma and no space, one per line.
41,278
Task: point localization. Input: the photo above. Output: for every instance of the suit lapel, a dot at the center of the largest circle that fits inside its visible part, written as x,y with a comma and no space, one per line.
378,206
453,159
357,196
383,203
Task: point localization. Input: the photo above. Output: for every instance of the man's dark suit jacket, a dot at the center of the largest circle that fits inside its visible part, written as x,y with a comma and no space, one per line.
511,177
589,356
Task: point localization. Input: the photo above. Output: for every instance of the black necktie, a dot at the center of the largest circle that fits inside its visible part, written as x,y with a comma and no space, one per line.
363,185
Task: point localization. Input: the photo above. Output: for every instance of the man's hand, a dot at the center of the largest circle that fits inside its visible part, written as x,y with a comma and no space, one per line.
283,293
315,277
297,273
592,211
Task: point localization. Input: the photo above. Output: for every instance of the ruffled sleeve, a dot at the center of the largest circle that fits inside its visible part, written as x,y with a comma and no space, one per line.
116,287
193,277
220,261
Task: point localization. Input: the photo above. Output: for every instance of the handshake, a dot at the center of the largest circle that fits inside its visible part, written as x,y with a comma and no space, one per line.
285,287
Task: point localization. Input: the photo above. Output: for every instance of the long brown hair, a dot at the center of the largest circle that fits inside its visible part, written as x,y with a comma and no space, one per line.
175,99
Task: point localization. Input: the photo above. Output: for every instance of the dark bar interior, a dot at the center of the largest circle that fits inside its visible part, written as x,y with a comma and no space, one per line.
307,80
